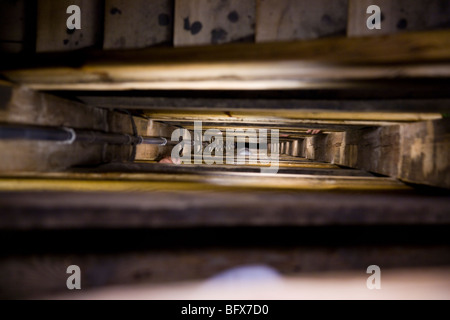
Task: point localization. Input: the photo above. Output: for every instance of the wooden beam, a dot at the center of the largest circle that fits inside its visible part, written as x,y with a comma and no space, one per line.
283,116
416,153
220,181
300,128
294,167
324,63
187,209
352,109
21,105
153,128
425,153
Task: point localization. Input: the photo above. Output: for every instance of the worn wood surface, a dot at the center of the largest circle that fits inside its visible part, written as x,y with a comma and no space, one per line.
213,21
399,16
287,20
289,117
416,153
407,109
219,181
294,166
184,209
21,105
169,257
323,63
299,128
52,32
425,153
137,24
27,107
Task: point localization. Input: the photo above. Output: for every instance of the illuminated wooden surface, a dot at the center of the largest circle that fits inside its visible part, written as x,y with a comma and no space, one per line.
323,63
207,181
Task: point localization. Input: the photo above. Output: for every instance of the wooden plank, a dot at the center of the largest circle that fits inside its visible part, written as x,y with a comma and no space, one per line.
213,21
283,116
337,109
29,107
425,153
299,128
323,63
52,31
21,105
24,106
27,210
219,181
237,120
287,20
416,153
301,167
137,24
399,16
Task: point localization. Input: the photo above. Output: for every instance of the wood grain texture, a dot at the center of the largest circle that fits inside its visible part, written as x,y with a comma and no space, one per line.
217,181
416,153
213,21
287,20
297,166
399,16
280,117
322,63
337,109
137,24
52,32
59,210
425,152
24,106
